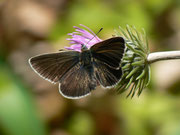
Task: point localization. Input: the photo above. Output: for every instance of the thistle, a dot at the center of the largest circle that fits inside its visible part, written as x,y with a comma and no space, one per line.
136,61
135,66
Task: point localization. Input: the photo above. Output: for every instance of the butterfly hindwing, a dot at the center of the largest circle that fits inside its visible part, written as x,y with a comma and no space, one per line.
109,51
53,66
107,76
77,82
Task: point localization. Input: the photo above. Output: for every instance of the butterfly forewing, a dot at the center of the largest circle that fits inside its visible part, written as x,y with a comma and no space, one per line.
53,66
109,51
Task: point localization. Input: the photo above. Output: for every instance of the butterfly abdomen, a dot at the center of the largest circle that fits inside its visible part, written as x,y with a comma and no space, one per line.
86,61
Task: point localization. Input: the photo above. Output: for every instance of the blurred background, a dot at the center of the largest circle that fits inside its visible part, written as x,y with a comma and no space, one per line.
30,105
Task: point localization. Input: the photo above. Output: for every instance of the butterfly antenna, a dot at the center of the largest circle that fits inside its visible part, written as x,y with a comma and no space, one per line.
95,35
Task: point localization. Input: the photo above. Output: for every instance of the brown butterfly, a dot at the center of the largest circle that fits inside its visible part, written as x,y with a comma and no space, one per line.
78,73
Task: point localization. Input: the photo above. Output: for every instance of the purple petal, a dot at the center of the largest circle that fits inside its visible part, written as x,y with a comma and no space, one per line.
91,32
82,36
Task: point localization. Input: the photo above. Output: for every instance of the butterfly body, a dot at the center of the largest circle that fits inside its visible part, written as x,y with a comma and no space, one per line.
78,73
86,58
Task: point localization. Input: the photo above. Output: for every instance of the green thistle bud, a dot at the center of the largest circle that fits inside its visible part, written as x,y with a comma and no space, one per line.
135,66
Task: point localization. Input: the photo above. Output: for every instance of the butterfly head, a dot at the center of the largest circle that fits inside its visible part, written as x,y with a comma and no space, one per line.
83,47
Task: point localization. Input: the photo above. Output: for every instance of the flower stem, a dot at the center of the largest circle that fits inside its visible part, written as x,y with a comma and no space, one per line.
158,56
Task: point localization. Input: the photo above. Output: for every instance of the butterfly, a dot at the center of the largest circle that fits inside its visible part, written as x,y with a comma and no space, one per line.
78,73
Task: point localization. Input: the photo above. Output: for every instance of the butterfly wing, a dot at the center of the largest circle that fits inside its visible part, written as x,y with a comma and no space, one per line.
109,51
107,76
78,82
54,65
107,57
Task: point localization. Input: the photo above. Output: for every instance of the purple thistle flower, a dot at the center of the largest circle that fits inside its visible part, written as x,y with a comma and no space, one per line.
82,36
